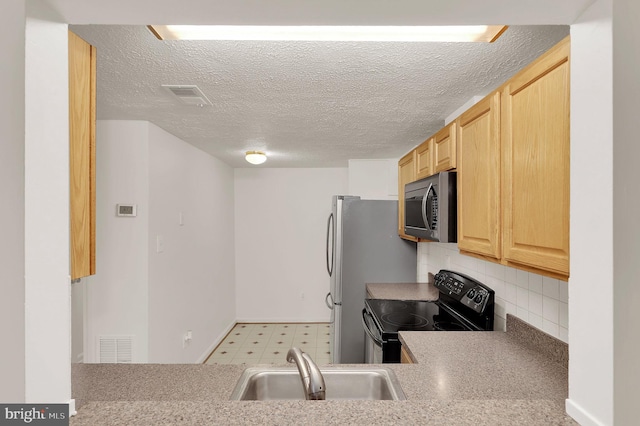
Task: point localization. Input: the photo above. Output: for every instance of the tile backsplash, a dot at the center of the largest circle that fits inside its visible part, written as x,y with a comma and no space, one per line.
540,301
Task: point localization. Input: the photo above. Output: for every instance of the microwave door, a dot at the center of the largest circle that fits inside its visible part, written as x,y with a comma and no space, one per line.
430,208
413,216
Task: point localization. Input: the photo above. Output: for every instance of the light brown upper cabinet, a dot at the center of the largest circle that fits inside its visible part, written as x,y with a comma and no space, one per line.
82,119
424,159
444,148
438,153
406,174
535,163
511,153
478,177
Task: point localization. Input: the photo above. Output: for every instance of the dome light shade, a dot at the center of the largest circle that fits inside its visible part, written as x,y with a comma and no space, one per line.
255,157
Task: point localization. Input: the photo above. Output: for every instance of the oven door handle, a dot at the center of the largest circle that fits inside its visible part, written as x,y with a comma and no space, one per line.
368,330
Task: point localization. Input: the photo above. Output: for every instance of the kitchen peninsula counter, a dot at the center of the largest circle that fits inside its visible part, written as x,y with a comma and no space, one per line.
402,291
462,378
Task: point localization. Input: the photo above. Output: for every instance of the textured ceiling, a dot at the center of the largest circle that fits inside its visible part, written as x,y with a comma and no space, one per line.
307,104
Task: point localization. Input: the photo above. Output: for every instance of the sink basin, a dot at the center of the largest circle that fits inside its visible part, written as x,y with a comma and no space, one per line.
280,383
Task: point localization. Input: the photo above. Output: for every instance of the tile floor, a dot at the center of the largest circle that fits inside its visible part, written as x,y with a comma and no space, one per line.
268,343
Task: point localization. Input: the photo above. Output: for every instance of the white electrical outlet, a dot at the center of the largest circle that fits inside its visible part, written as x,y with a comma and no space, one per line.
302,295
180,219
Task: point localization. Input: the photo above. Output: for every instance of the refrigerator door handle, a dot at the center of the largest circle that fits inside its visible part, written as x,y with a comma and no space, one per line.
368,330
330,252
326,300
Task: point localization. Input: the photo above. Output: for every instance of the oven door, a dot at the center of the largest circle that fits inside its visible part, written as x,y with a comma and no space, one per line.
373,340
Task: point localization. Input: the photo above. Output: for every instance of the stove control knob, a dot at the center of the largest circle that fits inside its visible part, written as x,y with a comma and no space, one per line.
471,294
478,298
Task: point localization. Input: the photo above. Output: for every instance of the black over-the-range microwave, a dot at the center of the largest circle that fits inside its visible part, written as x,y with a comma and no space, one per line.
430,208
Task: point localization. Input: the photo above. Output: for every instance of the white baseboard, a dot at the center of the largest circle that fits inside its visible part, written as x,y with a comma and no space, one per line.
202,358
281,320
580,415
72,407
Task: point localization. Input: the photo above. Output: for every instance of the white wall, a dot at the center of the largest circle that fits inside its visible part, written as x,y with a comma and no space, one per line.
47,286
191,283
591,363
280,227
12,121
626,205
78,308
117,296
540,301
374,179
328,12
156,297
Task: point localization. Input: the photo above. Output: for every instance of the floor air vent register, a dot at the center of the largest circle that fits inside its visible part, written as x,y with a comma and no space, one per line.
115,349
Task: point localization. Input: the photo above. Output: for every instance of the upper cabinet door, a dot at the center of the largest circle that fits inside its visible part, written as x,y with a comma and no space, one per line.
82,119
424,159
406,174
445,148
536,163
479,178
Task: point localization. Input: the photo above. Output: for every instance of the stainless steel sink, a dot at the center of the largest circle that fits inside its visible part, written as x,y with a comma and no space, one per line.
278,383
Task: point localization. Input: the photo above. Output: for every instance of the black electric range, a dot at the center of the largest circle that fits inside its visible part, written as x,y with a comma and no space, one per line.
464,304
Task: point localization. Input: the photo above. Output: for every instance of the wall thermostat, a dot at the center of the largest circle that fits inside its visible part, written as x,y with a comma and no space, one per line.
128,210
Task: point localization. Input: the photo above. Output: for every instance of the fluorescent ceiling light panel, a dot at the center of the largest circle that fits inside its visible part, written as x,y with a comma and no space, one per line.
465,33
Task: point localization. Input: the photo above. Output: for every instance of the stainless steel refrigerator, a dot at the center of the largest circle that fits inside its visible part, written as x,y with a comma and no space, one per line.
362,247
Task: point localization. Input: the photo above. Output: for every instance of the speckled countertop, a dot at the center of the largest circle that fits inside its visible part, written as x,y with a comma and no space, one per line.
428,412
461,378
402,291
479,365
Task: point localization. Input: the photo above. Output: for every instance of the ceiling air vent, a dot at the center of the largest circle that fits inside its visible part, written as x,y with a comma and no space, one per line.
188,94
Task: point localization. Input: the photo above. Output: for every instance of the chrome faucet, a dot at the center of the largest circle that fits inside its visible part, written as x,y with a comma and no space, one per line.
312,380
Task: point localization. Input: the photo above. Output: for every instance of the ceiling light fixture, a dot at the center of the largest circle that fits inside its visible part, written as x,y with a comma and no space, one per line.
255,157
441,33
